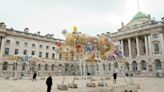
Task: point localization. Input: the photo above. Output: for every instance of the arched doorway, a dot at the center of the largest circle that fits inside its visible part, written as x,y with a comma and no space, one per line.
158,65
134,66
5,65
143,65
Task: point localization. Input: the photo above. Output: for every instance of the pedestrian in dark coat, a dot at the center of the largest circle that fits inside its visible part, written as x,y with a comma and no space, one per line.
34,76
49,83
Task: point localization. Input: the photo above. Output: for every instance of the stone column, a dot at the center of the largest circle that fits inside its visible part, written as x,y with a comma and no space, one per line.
146,44
122,47
2,47
162,43
129,46
138,49
149,44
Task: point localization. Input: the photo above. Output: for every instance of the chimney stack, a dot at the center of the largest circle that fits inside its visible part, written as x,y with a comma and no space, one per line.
26,30
2,25
162,19
38,33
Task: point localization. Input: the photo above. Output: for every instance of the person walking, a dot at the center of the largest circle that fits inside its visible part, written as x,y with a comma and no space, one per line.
34,76
49,83
115,75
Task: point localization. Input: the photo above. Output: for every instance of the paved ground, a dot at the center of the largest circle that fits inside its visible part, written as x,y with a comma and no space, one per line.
26,85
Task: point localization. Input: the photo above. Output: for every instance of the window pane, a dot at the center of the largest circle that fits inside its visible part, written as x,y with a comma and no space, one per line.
33,45
8,41
40,54
17,42
47,55
33,53
16,51
25,52
6,51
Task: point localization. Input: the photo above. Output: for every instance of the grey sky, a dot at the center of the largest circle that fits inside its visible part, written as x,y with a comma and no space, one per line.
90,16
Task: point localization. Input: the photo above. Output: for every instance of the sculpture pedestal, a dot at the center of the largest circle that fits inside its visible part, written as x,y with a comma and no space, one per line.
72,85
102,84
91,84
62,87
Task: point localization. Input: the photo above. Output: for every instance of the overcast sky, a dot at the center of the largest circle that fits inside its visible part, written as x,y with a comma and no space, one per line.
90,16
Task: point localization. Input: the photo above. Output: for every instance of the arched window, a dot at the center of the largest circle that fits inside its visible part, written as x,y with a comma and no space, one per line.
134,66
66,67
143,65
157,64
46,67
109,67
39,67
24,66
5,64
60,67
52,67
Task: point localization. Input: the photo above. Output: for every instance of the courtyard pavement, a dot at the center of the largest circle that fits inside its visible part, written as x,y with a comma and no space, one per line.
26,85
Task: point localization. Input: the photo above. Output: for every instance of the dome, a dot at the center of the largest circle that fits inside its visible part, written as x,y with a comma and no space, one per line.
139,15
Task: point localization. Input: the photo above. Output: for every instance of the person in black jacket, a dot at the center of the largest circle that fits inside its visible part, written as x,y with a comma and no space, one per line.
34,76
49,83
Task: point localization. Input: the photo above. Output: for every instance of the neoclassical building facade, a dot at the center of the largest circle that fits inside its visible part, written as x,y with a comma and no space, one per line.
142,42
22,43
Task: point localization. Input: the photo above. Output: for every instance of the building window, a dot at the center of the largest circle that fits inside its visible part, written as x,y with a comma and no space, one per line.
53,55
47,47
6,51
158,64
33,53
155,35
25,52
25,44
143,65
16,51
46,54
53,48
7,41
40,46
40,54
134,66
156,48
17,42
5,64
33,45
